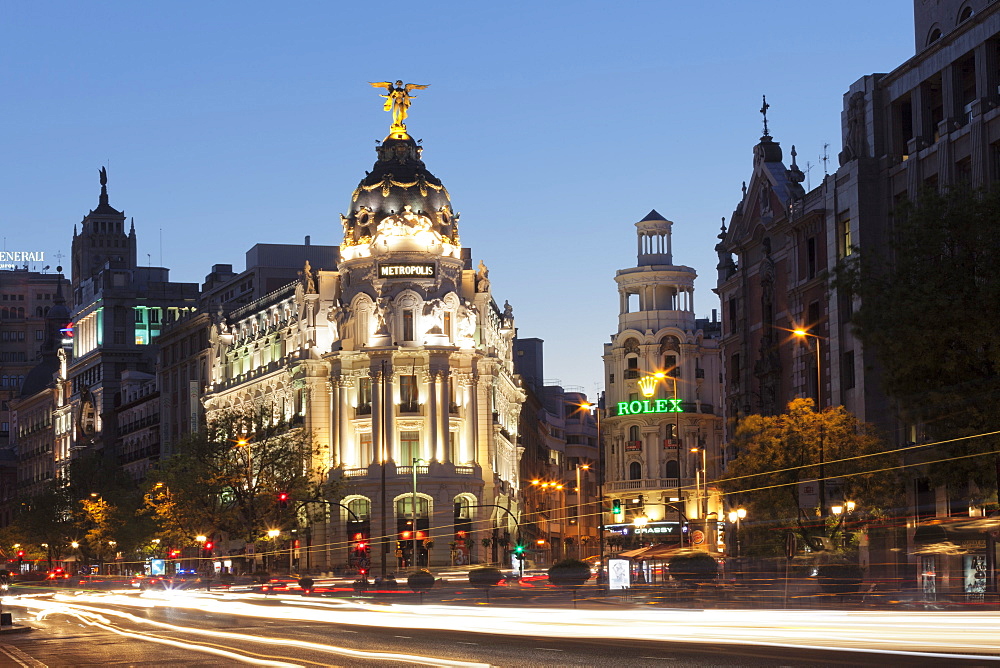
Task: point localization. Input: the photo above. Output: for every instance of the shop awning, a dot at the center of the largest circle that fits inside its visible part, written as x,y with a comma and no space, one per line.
949,537
651,552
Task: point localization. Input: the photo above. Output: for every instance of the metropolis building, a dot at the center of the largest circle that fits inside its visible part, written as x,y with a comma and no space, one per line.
399,362
663,431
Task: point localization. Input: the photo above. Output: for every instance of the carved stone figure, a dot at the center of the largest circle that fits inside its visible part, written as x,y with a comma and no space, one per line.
467,321
308,279
482,278
508,311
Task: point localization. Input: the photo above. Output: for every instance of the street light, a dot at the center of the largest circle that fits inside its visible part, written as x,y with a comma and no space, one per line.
802,334
579,509
736,517
413,513
699,482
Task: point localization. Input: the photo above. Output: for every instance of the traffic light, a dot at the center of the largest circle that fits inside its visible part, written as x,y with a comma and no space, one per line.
20,555
519,551
616,507
282,500
209,545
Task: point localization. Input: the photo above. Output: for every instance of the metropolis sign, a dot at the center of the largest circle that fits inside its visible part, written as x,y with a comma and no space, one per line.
407,270
649,406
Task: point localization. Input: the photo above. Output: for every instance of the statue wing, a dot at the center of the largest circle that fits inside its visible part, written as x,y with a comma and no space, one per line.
382,84
410,87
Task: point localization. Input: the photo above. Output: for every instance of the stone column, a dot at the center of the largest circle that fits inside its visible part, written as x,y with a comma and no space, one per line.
377,381
431,423
444,417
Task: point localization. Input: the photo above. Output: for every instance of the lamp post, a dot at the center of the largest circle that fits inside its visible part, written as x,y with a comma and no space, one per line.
736,517
600,489
579,506
700,483
803,334
413,514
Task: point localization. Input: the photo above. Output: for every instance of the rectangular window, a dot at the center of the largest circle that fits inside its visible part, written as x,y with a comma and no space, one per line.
408,395
845,236
154,315
409,447
813,315
365,445
811,257
39,335
408,325
453,446
364,396
734,370
732,315
138,315
848,370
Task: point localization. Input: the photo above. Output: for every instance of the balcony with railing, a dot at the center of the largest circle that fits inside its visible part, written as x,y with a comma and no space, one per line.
614,486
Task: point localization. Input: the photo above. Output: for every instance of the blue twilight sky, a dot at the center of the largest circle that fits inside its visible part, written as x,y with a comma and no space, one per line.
555,126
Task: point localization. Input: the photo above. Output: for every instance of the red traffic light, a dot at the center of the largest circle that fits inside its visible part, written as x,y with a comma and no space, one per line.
209,545
282,496
20,554
361,546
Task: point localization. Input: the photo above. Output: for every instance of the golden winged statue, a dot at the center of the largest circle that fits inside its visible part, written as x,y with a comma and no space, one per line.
397,100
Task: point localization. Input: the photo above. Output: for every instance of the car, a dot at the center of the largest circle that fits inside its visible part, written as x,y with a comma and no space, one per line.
57,574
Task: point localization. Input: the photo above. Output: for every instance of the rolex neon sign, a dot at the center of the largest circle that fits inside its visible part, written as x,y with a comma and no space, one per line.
649,406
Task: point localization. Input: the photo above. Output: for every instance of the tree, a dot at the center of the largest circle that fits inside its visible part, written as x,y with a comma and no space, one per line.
47,519
247,472
775,453
927,312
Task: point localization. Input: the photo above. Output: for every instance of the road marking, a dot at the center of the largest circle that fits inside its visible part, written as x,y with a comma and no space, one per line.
467,643
549,649
407,637
20,657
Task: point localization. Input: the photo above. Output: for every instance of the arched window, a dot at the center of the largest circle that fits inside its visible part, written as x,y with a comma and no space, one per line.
633,433
631,346
673,469
635,471
965,14
463,508
404,506
934,36
362,508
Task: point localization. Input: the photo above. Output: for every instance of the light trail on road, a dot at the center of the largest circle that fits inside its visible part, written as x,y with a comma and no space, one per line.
945,635
96,615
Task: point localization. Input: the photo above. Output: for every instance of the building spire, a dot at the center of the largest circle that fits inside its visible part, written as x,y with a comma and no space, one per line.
763,110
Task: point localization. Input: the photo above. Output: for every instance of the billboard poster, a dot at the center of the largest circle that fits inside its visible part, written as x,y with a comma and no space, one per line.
618,574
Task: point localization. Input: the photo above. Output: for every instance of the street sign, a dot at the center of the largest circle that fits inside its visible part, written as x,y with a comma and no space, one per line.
791,545
808,494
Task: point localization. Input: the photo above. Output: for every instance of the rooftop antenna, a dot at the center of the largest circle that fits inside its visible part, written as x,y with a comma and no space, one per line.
149,260
825,157
161,246
809,167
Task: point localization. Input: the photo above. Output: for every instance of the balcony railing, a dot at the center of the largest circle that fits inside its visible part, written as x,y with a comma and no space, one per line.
643,483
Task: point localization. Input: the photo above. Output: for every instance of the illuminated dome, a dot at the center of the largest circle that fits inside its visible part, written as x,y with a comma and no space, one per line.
399,193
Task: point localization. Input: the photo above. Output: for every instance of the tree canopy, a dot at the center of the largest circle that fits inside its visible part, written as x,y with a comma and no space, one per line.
244,474
774,453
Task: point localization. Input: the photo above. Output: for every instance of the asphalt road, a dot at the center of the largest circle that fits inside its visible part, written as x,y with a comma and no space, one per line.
130,631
